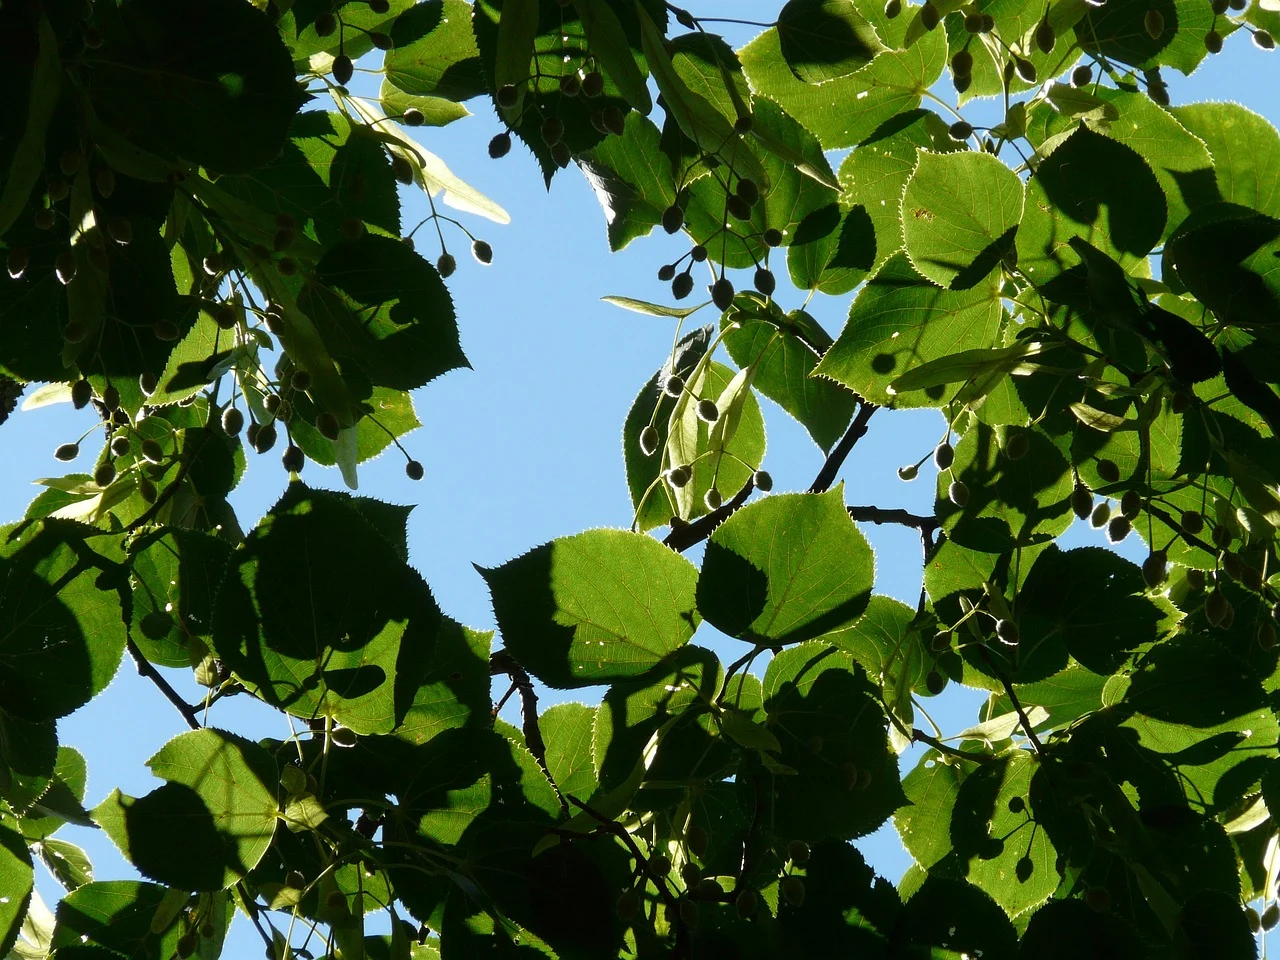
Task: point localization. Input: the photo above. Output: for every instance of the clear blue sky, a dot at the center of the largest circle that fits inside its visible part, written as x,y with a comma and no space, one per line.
527,445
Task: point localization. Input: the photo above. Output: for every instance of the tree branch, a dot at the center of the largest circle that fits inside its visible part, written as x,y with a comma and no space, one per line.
147,669
618,830
684,536
501,661
835,459
1013,699
879,515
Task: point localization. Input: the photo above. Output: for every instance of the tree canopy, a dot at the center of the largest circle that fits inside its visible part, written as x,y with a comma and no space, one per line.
201,226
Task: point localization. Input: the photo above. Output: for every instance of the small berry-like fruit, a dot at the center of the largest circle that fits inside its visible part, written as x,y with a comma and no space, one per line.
17,261
266,438
81,394
1108,471
1023,869
698,253
401,169
110,397
892,8
708,412
743,124
327,424
678,476
1216,607
1131,504
570,85
748,191
762,481
1007,631
659,865
380,40
1045,37
909,472
649,440
1017,804
593,84
1266,636
1118,528
272,403
552,131
792,890
343,68
481,250
747,903
672,218
674,385
973,23
941,641
1100,515
500,145
300,380
326,24
615,121
1154,569
697,839
722,293
1263,40
962,65
682,286
1082,76
343,737
960,130
561,154
929,15
413,470
1026,69
1017,446
1222,536
713,499
67,452
44,219
1270,917
507,96
1251,915
1213,43
232,421
65,266
773,237
1195,579
1153,22
147,383
935,682
119,446
764,281
1191,521
798,852
446,264
944,455
293,459
104,474
958,493
738,208
666,272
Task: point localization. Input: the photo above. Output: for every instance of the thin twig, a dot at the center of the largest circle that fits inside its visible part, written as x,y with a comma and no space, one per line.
878,515
618,830
501,661
738,665
147,669
1013,699
684,536
835,459
921,737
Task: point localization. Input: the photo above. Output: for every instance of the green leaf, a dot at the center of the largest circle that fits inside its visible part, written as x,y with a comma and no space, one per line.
845,111
61,639
209,824
380,305
68,863
1123,212
1090,603
1246,152
357,650
960,213
1066,929
825,39
783,364
28,155
611,49
595,607
900,323
61,802
1022,873
434,52
28,756
17,881
115,915
949,918
890,648
568,729
789,568
517,28
1226,256
1120,33
823,712
1067,695
176,574
455,689
1011,503
632,180
436,111
191,61
924,822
